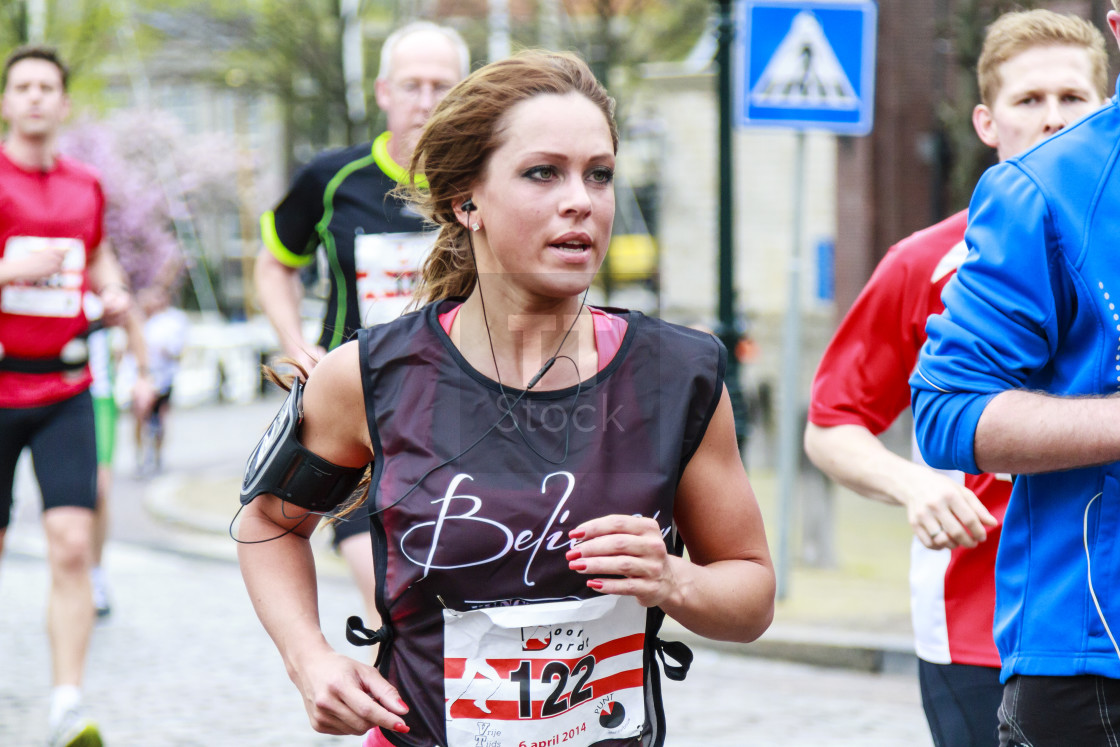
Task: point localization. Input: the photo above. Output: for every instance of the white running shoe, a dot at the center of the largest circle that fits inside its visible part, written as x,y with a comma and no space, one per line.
100,593
75,729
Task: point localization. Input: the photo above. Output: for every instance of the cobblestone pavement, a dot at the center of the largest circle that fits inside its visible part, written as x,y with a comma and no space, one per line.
182,661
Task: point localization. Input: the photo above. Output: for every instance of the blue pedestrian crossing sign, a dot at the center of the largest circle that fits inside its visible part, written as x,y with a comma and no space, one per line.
806,65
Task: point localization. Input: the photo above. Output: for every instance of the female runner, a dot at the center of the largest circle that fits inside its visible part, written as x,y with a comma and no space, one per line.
534,460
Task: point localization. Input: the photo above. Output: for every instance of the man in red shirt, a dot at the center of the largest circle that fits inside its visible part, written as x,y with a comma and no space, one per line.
1038,72
50,253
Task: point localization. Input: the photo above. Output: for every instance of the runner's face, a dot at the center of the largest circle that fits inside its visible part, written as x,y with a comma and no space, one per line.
34,103
1044,89
546,199
425,66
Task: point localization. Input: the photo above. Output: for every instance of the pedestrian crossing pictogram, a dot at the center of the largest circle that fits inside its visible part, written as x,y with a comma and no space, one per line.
806,64
804,71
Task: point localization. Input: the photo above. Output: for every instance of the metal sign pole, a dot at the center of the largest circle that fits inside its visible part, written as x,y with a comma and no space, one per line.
789,450
728,329
805,65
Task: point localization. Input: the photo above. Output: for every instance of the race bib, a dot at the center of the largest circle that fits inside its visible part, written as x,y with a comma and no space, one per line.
59,295
543,675
388,268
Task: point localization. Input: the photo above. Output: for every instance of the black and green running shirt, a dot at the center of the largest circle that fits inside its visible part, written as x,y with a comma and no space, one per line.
373,242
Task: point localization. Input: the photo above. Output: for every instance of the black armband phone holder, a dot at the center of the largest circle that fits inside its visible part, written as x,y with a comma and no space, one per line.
282,466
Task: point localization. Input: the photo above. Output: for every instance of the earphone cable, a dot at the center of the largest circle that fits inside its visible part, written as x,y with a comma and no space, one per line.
536,378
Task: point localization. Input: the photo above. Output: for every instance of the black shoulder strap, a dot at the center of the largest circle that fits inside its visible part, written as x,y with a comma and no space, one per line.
658,649
359,635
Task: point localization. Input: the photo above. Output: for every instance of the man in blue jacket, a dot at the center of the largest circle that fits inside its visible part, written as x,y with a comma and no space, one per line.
1020,375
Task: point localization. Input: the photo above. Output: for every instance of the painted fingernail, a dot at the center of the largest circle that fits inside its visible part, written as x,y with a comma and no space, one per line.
573,554
402,704
576,534
401,727
595,584
578,565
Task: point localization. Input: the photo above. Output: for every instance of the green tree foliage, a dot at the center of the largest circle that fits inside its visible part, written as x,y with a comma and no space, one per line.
639,31
87,34
963,33
292,49
82,30
968,157
621,35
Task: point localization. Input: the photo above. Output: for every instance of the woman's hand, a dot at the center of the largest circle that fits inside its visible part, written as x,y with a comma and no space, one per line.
344,696
626,555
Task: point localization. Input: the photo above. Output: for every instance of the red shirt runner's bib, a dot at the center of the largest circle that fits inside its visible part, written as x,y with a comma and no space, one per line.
863,379
387,269
62,207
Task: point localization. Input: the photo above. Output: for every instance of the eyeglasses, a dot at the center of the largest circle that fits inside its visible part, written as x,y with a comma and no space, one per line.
416,88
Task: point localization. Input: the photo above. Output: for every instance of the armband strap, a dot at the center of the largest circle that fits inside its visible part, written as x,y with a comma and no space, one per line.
284,467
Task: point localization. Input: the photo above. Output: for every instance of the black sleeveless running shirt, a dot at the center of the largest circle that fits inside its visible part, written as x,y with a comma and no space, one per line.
476,488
